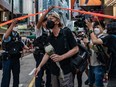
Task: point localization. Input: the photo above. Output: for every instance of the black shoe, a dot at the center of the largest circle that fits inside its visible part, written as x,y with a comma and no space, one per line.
86,82
91,85
43,83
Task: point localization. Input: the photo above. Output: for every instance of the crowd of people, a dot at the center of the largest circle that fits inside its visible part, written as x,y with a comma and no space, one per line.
55,48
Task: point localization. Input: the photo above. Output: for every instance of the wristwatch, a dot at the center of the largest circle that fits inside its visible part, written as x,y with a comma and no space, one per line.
90,31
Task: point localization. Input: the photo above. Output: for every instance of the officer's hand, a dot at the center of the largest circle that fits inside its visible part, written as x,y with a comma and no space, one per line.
14,22
56,58
36,71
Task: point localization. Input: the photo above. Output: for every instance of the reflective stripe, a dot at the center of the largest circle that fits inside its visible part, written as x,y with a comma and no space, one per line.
6,40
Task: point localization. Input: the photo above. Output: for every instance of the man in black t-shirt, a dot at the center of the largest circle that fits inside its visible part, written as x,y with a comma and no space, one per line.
60,60
110,42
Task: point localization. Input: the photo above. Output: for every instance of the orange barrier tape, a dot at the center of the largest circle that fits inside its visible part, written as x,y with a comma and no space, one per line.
20,18
90,13
84,12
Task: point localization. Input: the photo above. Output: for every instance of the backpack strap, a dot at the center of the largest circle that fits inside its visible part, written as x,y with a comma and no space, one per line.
65,38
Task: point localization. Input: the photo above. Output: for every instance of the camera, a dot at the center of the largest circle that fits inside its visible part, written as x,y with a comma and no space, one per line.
80,21
81,36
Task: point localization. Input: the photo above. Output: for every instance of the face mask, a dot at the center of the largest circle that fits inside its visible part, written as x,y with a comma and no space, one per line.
97,31
50,24
15,29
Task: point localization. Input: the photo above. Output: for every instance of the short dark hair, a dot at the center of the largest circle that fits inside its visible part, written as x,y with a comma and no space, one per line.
99,23
111,28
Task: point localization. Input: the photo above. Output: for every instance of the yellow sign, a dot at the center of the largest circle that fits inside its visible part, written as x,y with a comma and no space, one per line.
90,2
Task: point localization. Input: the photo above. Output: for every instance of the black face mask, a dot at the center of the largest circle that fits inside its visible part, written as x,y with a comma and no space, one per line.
50,24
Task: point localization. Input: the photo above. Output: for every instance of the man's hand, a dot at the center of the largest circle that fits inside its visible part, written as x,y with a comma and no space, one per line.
37,71
89,24
56,57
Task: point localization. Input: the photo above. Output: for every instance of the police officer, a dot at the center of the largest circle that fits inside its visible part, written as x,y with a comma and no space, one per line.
39,43
12,45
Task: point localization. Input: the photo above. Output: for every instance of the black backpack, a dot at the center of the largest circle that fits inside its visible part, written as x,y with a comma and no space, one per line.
0,61
41,41
81,57
101,55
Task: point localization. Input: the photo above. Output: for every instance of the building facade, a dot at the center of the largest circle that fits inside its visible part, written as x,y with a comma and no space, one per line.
29,8
5,9
110,7
6,12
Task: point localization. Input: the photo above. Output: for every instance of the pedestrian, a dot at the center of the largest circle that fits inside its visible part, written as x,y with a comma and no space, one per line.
12,45
96,67
60,60
41,40
110,42
79,72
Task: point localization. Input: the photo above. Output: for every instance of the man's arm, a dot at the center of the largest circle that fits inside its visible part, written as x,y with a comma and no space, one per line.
44,60
95,40
42,17
9,30
70,53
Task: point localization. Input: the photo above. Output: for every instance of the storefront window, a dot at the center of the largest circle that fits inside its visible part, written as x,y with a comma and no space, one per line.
16,5
8,1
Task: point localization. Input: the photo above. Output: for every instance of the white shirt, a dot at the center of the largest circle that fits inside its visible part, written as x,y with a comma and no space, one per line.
38,32
93,59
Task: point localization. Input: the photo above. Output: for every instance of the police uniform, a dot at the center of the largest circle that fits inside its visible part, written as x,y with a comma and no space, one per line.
12,46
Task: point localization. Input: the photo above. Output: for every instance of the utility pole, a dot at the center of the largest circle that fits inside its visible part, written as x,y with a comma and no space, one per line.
36,10
21,6
12,11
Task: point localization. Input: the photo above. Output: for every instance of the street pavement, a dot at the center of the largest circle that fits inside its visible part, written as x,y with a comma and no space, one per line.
27,70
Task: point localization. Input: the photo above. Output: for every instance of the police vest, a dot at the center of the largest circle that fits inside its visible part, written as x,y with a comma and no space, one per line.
14,46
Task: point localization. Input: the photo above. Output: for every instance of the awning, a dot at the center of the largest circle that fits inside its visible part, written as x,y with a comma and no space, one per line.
31,36
110,2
